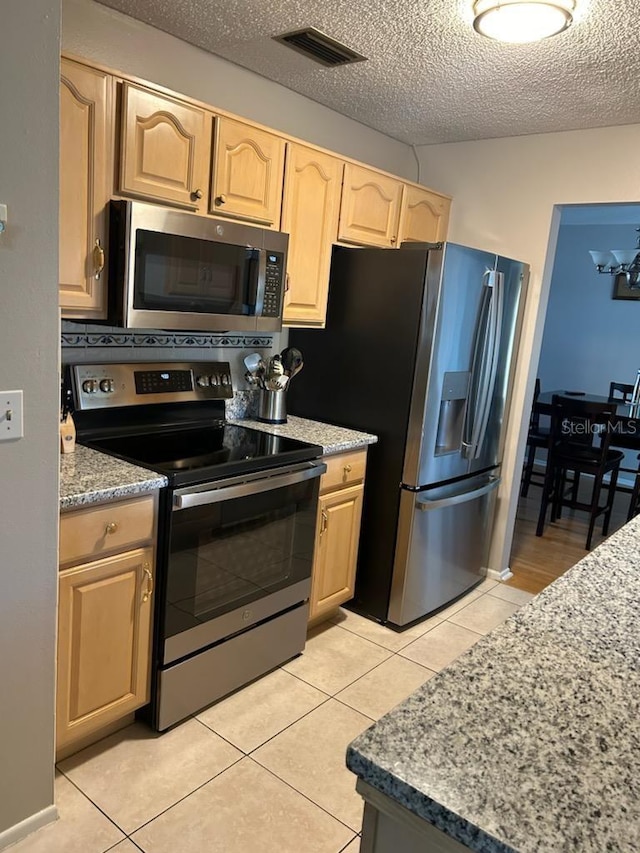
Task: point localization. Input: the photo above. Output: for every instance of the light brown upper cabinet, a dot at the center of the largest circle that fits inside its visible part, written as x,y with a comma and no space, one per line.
247,173
424,216
86,157
370,207
165,149
310,209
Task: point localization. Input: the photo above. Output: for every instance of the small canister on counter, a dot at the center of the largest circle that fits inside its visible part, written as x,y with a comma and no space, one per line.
273,406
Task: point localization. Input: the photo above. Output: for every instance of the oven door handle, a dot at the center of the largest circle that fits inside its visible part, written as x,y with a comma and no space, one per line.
187,499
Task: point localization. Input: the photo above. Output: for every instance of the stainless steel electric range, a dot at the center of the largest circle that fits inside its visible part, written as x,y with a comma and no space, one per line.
236,526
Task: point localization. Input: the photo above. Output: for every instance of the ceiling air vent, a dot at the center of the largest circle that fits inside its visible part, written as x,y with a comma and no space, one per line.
319,47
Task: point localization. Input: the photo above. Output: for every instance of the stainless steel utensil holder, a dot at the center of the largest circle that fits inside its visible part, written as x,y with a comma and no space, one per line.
273,407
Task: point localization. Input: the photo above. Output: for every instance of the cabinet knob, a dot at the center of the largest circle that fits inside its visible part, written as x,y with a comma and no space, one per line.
111,527
347,469
393,240
98,259
325,522
196,195
221,199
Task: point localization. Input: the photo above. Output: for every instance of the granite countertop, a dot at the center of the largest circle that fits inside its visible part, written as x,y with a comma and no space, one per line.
333,439
88,476
530,741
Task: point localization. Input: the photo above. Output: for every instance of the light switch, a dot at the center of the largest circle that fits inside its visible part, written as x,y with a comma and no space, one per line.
3,218
10,415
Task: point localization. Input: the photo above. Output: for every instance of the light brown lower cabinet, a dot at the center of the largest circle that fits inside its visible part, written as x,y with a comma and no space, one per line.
104,619
337,533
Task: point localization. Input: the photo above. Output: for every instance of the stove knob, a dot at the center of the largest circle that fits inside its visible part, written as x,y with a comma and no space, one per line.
215,379
225,379
90,386
203,381
107,385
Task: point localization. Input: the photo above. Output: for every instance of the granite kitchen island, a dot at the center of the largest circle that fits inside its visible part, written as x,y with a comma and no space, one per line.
528,742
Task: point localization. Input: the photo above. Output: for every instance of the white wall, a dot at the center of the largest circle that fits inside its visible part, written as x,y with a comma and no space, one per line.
113,39
29,71
504,193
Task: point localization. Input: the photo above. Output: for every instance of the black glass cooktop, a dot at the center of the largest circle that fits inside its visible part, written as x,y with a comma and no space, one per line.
198,454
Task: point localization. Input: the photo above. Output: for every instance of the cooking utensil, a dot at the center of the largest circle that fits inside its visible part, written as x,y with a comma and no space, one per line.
276,368
252,361
296,369
291,357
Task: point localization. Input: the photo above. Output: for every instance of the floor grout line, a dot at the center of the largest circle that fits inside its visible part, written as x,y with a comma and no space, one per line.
306,796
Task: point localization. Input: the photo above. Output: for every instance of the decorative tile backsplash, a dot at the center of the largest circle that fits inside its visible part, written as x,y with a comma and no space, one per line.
117,338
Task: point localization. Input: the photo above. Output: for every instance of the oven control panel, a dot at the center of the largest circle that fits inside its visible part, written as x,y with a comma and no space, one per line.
102,386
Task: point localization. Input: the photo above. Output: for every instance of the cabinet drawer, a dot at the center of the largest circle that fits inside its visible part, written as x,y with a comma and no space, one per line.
343,469
86,534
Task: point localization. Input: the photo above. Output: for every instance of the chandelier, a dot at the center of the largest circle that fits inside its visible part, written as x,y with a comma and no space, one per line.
620,262
521,21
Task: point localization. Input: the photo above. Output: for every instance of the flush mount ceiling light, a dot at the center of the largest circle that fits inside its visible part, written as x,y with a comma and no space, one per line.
521,21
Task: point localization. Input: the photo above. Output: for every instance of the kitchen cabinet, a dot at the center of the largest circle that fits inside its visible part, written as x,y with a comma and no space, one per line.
337,533
370,207
107,557
86,159
165,149
424,216
311,206
248,172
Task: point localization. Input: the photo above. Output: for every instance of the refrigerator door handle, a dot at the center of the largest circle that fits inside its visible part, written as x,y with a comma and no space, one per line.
485,364
459,497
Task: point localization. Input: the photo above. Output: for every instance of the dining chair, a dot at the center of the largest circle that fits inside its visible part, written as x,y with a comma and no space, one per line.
570,448
621,392
537,439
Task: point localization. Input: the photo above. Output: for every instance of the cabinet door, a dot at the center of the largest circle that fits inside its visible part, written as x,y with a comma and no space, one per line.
86,157
338,532
424,216
104,639
164,149
247,173
311,206
370,207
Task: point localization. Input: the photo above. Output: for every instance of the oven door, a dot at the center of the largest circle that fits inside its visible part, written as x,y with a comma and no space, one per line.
240,551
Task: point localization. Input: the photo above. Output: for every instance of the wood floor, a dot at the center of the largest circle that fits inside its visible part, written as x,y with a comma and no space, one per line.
537,561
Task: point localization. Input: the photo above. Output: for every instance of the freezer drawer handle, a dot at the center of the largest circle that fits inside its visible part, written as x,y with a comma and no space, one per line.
460,497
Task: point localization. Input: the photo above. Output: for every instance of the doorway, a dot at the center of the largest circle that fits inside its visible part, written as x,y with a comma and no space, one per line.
590,339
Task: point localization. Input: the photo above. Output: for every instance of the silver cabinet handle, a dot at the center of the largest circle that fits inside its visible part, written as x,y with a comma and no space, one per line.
98,259
146,568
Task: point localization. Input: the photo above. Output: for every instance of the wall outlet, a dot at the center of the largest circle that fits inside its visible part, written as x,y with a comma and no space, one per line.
10,415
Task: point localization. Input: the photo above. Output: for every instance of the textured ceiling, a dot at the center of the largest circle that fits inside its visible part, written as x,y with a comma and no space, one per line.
429,77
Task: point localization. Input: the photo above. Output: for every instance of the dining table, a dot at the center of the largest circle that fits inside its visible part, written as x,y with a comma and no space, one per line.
627,416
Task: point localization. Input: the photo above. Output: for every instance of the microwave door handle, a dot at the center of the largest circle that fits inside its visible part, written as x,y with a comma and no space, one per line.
262,280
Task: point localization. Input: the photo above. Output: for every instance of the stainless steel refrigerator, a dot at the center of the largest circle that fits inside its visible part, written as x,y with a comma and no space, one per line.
417,349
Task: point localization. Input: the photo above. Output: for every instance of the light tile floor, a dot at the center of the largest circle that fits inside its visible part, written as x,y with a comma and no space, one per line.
262,771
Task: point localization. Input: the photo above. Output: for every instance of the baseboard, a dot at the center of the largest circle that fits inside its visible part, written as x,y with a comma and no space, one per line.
26,827
504,575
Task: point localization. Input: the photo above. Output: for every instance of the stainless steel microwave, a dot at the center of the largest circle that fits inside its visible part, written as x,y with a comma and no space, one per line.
173,270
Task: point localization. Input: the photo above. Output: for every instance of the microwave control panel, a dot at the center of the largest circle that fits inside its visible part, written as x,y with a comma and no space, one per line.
273,280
